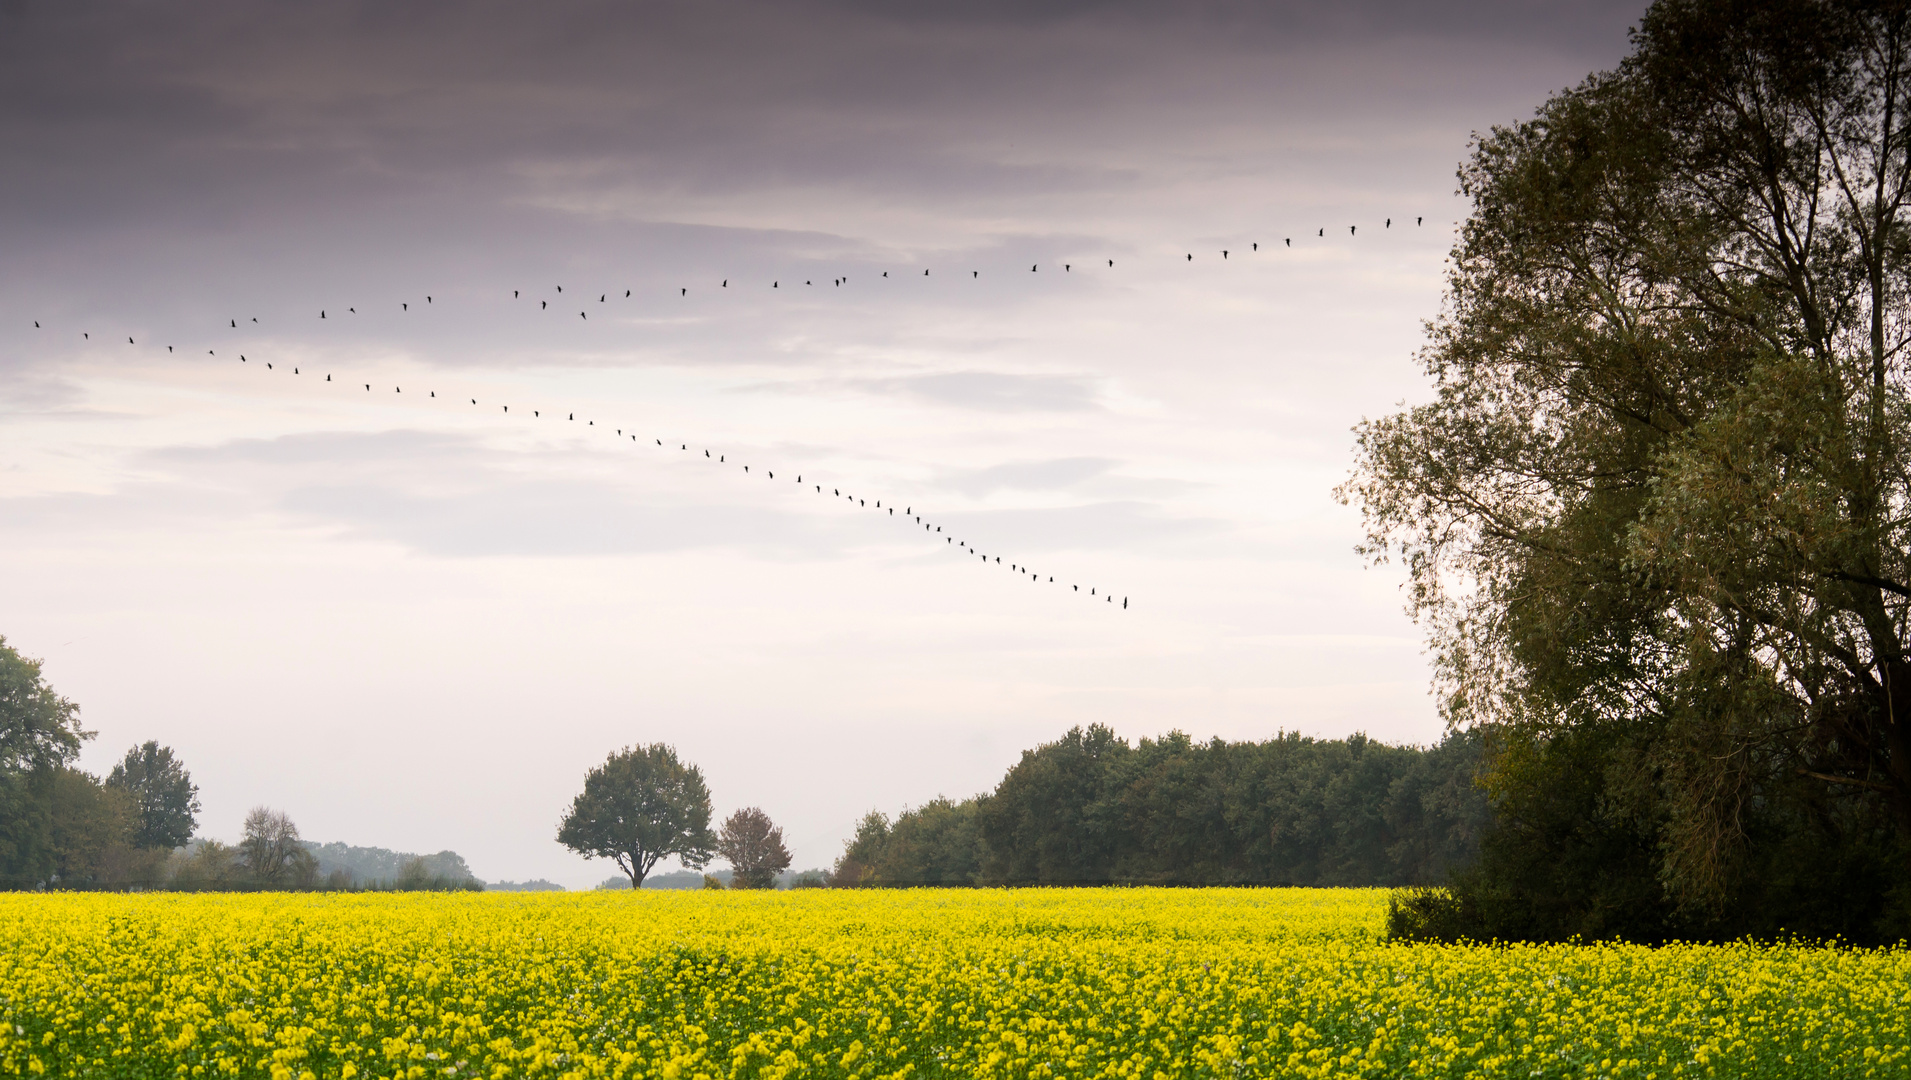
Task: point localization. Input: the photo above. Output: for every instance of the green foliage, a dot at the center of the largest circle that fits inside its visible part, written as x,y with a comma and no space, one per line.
534,885
641,805
163,794
1655,518
1089,809
40,734
375,867
39,729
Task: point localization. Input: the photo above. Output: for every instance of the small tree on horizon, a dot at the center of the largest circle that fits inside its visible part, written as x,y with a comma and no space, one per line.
272,852
641,805
753,846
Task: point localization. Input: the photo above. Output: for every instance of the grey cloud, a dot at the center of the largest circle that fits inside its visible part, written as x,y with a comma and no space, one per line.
234,112
991,391
1083,475
1124,525
1051,475
553,519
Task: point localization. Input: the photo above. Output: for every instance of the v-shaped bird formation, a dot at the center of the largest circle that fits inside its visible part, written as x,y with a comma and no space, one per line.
906,516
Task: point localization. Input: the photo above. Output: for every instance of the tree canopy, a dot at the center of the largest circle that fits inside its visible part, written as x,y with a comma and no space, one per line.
753,846
164,796
1656,514
1092,809
640,806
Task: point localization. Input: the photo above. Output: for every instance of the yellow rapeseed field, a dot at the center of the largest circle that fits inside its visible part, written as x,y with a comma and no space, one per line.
989,983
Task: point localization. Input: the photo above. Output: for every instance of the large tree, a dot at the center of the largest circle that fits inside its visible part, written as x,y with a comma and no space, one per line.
163,793
641,805
40,735
1657,516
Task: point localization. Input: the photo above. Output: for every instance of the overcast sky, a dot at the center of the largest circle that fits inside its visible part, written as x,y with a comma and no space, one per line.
414,622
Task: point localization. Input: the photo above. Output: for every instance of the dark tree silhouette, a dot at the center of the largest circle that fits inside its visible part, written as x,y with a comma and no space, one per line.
164,797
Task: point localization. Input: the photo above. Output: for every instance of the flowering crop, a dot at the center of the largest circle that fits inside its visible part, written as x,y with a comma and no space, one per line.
972,983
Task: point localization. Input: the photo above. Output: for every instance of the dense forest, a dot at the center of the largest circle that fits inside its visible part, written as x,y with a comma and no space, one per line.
1090,809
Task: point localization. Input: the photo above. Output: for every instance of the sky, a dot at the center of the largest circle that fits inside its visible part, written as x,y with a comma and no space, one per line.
415,622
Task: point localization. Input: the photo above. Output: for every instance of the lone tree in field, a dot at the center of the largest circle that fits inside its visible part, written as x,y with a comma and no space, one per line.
1658,514
163,794
639,806
753,846
272,852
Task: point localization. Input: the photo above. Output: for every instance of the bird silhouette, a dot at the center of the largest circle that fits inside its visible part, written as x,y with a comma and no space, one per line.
600,299
1111,262
514,294
1418,220
169,348
686,292
1031,269
129,341
1350,229
1290,241
542,304
626,294
1224,253
560,288
353,310
235,324
1389,225
407,307
1257,247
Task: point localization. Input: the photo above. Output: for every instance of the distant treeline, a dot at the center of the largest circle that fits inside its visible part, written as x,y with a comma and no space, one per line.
1089,809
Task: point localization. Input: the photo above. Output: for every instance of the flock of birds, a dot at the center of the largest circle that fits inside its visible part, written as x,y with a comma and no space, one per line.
834,491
